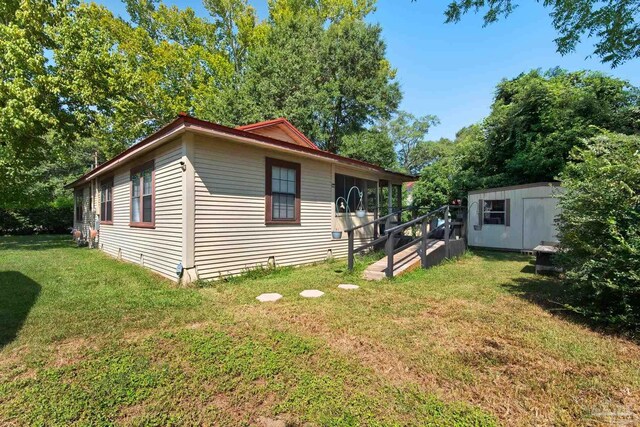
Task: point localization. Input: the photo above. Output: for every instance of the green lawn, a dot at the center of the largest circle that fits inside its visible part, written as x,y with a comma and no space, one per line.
88,340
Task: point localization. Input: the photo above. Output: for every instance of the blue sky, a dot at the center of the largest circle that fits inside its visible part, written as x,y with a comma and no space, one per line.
451,70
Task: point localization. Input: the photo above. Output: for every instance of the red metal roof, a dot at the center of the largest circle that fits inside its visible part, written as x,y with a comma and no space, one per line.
184,119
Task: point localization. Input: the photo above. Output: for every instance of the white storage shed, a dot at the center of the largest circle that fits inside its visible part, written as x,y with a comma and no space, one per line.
517,217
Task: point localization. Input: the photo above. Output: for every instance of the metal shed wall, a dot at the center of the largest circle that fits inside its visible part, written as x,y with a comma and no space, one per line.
532,211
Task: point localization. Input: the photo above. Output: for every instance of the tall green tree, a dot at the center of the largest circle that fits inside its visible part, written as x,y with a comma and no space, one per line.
34,110
75,79
322,66
538,117
613,23
435,186
408,133
535,121
372,145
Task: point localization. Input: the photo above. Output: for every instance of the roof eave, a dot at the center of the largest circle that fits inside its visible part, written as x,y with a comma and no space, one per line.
517,187
185,122
166,133
256,139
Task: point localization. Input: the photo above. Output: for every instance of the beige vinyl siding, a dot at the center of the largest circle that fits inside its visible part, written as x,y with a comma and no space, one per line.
230,230
159,249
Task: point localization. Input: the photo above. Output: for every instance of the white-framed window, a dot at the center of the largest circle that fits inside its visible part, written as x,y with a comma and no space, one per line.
495,212
143,196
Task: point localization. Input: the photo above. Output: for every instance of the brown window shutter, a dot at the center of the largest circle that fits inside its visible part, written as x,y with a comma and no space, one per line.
480,213
507,214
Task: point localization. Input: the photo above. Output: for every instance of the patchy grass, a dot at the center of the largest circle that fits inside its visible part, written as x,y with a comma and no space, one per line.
85,339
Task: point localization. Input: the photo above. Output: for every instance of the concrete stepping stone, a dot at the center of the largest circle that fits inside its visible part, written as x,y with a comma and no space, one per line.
311,293
348,286
268,297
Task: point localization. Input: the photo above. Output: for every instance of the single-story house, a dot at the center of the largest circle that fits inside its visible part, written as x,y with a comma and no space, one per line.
517,217
200,200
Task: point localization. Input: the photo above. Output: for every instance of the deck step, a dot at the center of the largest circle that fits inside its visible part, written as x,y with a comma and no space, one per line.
404,261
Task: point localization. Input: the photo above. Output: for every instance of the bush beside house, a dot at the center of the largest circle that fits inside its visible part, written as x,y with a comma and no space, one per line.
600,229
44,219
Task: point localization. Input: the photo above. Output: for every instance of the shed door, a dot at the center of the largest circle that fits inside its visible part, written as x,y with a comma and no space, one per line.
538,225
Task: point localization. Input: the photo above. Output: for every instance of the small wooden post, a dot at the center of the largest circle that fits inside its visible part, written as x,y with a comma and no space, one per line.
465,224
389,197
388,249
446,231
414,215
350,250
423,230
376,212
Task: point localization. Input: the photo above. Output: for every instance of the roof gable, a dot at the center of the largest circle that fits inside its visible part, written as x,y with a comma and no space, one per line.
280,129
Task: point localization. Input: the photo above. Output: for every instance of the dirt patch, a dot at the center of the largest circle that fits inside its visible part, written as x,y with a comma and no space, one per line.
71,351
131,413
469,351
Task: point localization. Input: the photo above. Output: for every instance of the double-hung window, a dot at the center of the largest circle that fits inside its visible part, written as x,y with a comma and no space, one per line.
143,196
282,192
495,212
106,202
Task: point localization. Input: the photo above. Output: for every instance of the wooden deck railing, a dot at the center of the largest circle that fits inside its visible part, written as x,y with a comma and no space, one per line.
387,220
390,234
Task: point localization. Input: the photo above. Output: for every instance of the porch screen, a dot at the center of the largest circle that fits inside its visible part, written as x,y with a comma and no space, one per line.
369,188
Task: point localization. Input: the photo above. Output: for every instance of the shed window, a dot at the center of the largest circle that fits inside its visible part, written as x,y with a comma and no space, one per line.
143,196
106,202
495,212
282,192
79,206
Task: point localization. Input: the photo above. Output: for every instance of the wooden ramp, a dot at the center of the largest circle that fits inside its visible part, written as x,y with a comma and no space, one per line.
407,260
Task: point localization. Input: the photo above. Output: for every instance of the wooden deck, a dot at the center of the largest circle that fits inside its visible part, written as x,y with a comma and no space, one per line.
405,260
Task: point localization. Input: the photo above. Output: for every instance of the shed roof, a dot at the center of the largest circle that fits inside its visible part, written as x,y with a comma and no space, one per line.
517,187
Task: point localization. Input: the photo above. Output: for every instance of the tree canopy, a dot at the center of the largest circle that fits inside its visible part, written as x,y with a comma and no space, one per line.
76,79
613,23
536,119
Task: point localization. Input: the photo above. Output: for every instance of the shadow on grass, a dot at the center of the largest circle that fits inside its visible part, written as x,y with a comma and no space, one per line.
35,243
499,255
552,294
529,269
18,294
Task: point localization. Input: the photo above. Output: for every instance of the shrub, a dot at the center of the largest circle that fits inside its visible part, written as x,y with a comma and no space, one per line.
600,229
43,219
